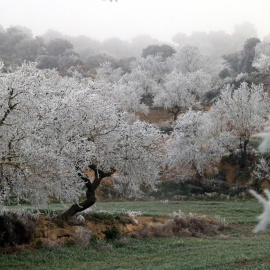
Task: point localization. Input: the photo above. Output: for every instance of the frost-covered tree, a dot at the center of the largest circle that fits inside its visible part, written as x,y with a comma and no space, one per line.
247,55
187,82
109,74
262,63
243,111
188,59
262,57
164,49
24,107
146,76
176,83
53,129
119,89
260,174
182,91
196,145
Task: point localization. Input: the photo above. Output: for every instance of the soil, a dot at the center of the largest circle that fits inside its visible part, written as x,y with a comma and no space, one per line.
64,231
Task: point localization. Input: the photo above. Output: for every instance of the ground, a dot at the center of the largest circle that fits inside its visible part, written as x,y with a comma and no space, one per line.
235,248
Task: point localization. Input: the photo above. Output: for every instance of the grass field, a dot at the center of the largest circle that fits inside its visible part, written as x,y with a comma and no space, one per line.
235,248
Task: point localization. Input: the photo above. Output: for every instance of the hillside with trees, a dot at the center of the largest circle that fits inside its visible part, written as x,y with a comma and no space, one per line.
121,149
62,116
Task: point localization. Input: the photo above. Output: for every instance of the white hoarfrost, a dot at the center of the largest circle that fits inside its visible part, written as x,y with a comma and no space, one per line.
196,144
186,83
51,125
262,57
243,111
188,59
183,90
145,78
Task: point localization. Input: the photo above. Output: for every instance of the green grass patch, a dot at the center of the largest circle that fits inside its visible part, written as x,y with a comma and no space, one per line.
235,248
235,212
152,254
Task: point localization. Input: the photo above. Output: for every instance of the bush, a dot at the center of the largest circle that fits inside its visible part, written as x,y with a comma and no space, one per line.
217,184
16,229
182,225
82,237
112,233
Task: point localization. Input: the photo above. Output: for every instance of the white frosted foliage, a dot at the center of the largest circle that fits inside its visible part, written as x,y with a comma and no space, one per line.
196,144
51,125
183,90
262,57
243,111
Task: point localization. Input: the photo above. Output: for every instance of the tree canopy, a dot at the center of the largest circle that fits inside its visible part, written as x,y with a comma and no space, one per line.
55,128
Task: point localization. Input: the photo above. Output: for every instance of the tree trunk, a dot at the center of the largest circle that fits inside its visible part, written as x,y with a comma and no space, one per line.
243,149
175,111
90,192
76,208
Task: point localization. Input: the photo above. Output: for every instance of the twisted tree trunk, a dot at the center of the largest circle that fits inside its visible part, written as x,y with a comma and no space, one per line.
90,192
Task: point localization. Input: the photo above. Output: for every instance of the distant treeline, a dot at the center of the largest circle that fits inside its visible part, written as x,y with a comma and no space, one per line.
63,52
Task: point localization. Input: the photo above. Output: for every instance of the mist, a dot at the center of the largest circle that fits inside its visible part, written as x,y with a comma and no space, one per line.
97,31
126,19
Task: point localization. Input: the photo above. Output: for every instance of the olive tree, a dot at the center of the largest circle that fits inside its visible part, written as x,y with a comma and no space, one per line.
262,57
243,111
55,128
182,91
186,83
146,77
196,145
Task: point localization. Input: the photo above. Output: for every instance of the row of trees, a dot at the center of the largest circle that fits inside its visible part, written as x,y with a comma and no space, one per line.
54,128
241,61
18,45
55,50
255,57
177,82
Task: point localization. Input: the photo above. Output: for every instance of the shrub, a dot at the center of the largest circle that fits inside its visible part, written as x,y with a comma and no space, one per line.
82,237
16,228
112,233
182,225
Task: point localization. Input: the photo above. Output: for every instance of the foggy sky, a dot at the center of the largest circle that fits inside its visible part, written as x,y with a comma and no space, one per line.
127,18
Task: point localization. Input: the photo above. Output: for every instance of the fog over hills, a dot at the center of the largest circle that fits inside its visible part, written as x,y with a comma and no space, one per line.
126,19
